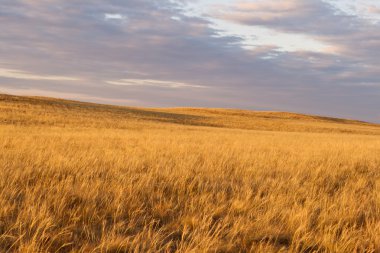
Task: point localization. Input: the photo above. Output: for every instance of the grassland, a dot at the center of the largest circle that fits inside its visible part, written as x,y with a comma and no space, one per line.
80,177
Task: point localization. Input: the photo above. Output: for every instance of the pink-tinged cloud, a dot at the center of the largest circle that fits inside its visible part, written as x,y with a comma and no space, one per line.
134,51
154,83
19,74
373,9
266,11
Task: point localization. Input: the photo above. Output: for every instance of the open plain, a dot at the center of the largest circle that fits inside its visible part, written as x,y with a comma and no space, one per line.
82,177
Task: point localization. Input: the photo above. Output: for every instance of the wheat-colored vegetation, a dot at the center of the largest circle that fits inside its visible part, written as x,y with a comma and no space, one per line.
79,177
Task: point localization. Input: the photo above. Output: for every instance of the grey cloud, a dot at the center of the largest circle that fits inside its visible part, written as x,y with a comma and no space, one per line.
306,16
73,39
373,9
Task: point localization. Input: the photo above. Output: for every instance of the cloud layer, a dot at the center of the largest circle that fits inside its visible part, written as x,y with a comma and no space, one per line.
155,53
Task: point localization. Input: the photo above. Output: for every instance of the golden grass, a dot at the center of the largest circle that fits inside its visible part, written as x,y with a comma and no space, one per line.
79,177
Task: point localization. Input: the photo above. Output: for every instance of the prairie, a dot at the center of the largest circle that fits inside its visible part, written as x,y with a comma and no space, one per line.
82,177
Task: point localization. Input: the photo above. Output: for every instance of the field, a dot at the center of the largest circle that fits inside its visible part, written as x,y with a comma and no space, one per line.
81,177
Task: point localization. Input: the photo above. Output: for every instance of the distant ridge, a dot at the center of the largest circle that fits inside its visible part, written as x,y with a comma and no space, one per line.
60,112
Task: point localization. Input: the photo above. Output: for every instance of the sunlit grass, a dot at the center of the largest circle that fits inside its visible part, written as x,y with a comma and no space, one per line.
87,178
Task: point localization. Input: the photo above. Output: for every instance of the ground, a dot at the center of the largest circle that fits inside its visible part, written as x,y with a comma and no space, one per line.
81,177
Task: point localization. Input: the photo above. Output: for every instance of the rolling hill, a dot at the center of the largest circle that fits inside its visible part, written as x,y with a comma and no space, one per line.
57,112
84,177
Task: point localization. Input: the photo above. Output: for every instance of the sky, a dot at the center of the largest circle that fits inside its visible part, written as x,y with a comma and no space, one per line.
308,56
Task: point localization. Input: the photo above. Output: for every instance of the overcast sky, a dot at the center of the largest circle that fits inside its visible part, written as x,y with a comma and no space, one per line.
307,56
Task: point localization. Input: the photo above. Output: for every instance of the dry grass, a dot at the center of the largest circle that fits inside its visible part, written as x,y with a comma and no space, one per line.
81,177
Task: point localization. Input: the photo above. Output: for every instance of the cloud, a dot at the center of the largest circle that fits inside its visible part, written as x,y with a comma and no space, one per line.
155,83
157,60
310,17
117,16
373,9
64,95
318,19
353,38
18,74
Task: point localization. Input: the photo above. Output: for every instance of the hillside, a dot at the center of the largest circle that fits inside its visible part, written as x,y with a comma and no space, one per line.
83,177
56,112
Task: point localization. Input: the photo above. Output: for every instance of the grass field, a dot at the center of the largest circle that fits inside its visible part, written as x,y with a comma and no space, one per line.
80,177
